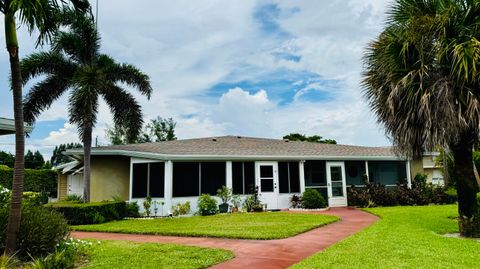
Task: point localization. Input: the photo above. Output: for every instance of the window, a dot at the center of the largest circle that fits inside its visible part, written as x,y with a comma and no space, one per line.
194,178
315,173
213,177
289,177
243,177
148,179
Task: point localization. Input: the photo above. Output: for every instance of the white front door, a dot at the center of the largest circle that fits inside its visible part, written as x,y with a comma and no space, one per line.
75,184
267,181
337,189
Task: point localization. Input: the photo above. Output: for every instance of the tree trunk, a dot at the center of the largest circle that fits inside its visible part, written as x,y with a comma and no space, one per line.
15,214
467,188
87,148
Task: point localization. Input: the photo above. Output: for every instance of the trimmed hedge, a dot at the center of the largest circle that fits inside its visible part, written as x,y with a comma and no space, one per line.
36,180
90,213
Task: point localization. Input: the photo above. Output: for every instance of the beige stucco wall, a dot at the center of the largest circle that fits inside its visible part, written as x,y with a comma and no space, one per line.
110,176
416,167
62,186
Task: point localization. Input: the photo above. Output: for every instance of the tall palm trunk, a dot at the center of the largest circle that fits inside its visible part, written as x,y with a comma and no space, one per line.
467,188
18,173
87,148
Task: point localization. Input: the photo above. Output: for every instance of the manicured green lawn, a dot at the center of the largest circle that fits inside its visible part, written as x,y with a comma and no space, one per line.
406,237
239,225
123,254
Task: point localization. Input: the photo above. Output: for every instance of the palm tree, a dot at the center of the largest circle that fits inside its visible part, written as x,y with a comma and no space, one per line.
40,16
75,64
422,80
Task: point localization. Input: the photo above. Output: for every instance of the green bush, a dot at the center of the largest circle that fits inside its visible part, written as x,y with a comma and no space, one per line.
133,210
207,205
36,180
313,199
64,256
90,213
73,198
40,231
181,209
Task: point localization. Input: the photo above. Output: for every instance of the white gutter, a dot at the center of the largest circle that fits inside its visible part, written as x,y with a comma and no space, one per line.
178,157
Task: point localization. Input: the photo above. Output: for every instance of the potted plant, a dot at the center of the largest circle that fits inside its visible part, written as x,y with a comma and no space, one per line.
225,194
236,200
147,204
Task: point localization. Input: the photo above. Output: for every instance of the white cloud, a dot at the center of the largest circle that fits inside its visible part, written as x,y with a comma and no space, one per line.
189,46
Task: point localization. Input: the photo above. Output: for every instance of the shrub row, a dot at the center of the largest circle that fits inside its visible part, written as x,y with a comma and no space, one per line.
36,180
374,194
90,213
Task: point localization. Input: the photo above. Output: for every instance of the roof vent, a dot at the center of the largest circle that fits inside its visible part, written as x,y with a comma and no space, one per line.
286,140
214,139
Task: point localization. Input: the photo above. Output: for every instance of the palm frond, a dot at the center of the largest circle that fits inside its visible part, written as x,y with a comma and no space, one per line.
125,73
46,63
83,109
127,113
42,95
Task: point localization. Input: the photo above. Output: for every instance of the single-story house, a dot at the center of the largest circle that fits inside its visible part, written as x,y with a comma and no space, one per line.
176,171
7,126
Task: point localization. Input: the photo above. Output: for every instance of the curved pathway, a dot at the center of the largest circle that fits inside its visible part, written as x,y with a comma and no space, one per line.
265,254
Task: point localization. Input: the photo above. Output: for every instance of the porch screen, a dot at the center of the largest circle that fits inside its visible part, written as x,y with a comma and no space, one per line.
315,173
243,174
186,179
387,172
355,170
148,179
213,177
289,177
195,178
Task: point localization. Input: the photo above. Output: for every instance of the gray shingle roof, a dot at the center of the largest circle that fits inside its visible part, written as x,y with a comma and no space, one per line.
236,146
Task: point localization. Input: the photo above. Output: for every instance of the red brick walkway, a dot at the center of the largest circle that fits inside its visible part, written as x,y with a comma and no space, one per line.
264,254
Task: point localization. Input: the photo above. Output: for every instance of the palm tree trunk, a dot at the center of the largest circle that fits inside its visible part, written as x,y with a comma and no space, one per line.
87,148
15,214
467,188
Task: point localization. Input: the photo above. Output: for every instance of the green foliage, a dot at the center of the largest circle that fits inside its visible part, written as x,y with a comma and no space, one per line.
133,210
252,202
313,138
64,256
89,213
313,199
73,198
34,198
40,231
34,160
35,180
207,205
236,200
57,156
147,204
181,209
296,201
156,130
421,193
9,262
225,194
7,159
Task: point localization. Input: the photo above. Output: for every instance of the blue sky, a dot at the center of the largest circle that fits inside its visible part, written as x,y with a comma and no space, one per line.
245,67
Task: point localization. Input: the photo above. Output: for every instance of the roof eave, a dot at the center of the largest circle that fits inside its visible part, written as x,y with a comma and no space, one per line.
173,157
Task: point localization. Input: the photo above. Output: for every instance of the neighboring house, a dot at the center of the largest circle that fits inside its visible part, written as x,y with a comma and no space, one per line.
176,171
428,165
7,126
